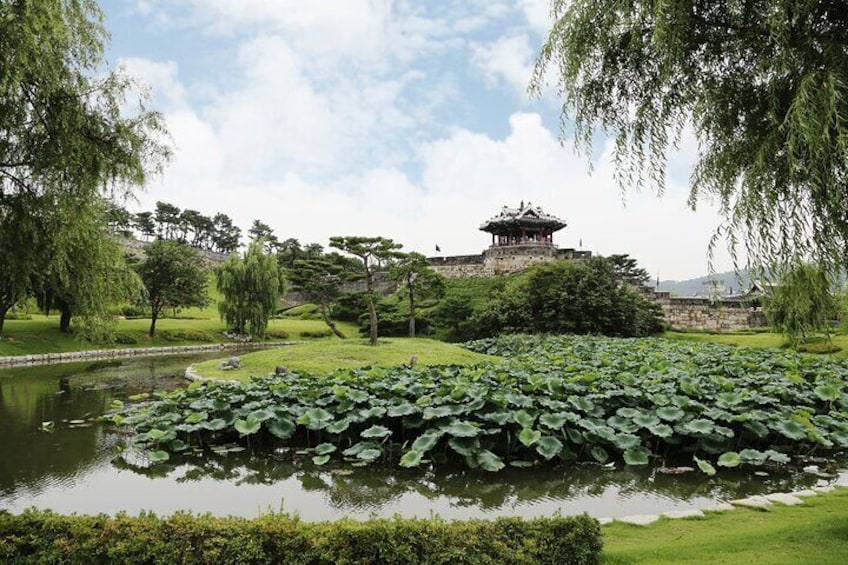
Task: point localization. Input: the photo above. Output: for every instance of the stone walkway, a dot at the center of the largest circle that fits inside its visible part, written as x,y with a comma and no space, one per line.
95,354
757,502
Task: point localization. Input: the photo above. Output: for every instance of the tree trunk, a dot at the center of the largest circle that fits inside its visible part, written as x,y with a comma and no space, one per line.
3,311
372,318
330,323
153,317
64,318
411,311
372,309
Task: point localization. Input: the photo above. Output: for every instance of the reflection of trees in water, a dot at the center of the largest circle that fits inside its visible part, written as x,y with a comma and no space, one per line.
371,488
30,459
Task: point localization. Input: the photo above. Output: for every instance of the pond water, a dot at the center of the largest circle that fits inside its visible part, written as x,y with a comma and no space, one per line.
74,467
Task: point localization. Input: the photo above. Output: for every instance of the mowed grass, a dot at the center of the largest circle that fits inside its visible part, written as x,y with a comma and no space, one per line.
324,356
41,334
765,339
815,532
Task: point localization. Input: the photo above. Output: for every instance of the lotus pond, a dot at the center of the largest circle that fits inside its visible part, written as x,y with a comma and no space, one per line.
244,450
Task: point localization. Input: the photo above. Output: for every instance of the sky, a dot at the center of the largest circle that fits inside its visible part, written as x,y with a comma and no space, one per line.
405,119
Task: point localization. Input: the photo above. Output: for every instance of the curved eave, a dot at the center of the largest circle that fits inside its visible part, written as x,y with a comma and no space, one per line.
495,226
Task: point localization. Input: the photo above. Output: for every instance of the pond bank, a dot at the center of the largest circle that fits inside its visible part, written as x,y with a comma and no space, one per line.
98,354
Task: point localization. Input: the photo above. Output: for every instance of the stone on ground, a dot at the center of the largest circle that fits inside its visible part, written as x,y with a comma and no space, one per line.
678,514
759,502
719,507
639,519
804,493
784,498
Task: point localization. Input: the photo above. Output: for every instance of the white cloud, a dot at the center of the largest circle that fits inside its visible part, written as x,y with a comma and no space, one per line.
509,59
538,14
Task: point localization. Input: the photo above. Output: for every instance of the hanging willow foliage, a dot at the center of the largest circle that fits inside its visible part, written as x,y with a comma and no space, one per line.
763,82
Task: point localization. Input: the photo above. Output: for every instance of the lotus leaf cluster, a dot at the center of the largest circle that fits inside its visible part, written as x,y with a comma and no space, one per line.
552,398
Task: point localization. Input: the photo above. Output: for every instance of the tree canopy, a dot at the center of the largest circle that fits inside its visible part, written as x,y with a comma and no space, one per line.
251,288
764,84
173,276
802,303
373,252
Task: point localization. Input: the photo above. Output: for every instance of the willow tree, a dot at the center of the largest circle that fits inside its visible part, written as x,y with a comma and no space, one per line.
802,304
68,133
764,85
373,252
251,287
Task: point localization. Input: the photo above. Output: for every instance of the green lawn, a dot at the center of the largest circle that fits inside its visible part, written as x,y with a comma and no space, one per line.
41,334
324,356
760,339
816,532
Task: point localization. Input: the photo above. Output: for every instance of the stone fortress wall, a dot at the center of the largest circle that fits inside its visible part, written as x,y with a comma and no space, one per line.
681,313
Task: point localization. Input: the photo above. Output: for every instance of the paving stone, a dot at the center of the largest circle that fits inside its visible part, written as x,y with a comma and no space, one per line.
824,489
752,502
803,493
784,498
719,507
678,514
639,519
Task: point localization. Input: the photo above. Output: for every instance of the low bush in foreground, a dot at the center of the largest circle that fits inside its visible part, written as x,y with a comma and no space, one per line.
553,398
45,537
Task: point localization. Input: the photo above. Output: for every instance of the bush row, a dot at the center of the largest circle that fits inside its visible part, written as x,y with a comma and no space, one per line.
45,537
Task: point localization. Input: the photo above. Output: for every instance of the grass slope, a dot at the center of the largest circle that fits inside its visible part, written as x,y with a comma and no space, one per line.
41,334
763,339
324,356
816,532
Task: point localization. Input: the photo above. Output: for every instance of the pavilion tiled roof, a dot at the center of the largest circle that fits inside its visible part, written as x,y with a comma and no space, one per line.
525,215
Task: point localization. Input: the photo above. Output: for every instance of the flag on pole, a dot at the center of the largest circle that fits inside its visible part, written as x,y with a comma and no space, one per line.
581,243
438,248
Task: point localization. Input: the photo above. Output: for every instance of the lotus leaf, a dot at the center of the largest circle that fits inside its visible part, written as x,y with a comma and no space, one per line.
791,429
462,429
628,413
433,412
338,426
529,436
705,467
777,456
411,458
196,417
828,392
247,427
357,396
324,448
499,418
521,464
523,419
376,431
699,426
662,430
626,441
581,403
599,453
489,461
729,459
158,456
282,428
670,413
357,448
646,420
553,421
320,459
427,440
636,455
757,428
464,445
548,447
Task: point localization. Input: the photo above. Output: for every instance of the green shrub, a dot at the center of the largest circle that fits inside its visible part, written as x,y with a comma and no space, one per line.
315,334
44,537
276,333
124,337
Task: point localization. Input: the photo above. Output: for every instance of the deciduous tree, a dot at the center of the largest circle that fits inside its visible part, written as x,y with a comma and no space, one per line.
173,277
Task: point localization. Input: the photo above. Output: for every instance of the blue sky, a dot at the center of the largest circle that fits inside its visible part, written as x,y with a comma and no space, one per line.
408,120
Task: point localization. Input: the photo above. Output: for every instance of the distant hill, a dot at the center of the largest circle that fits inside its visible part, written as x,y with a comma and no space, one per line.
729,281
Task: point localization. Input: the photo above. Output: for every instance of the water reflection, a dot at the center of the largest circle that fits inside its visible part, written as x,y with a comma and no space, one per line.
73,469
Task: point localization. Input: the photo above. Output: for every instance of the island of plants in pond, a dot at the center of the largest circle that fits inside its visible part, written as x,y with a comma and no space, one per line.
573,398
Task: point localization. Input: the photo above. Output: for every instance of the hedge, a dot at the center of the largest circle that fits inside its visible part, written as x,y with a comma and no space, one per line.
37,536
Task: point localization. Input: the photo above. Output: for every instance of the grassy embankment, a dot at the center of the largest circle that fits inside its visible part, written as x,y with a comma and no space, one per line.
191,326
766,339
816,532
324,356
